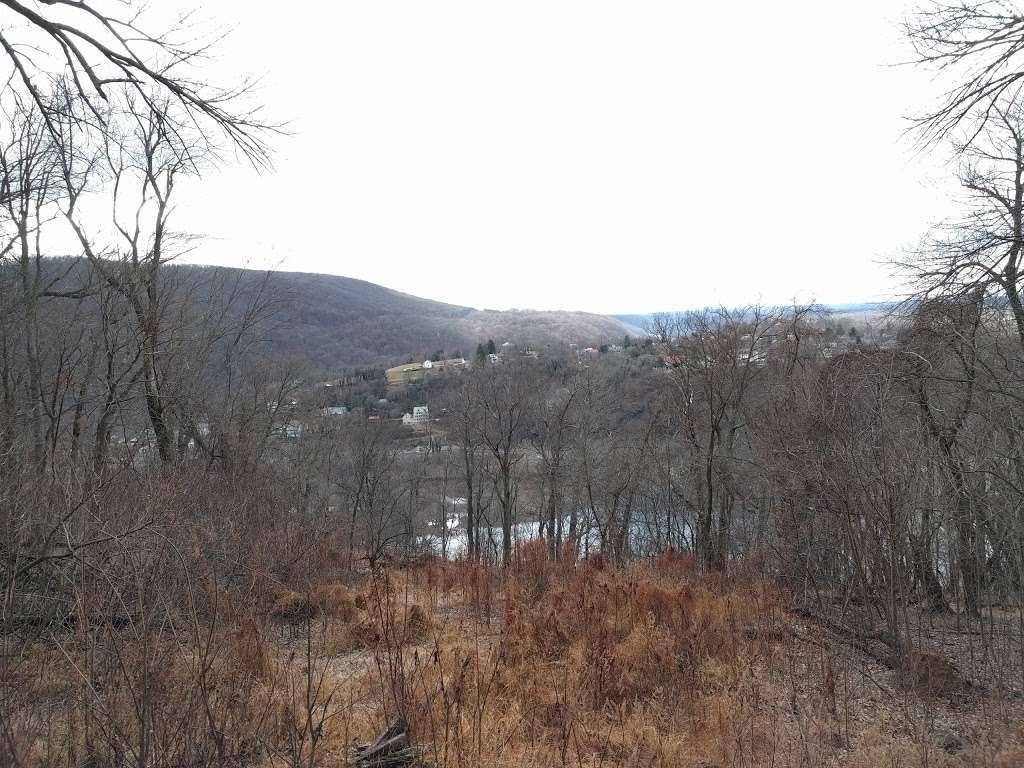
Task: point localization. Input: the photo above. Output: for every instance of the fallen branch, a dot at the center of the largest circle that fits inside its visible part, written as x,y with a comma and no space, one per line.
391,749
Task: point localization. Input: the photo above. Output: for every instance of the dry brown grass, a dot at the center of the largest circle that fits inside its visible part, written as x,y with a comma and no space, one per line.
549,663
591,663
334,600
654,665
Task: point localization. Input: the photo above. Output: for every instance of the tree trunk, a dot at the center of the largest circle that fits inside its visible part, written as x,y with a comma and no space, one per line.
924,570
470,507
506,515
29,283
155,404
553,542
719,556
967,543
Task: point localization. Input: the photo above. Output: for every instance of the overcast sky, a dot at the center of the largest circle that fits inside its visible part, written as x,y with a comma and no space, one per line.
604,156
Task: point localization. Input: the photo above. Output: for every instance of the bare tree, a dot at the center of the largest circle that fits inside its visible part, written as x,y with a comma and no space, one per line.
369,484
718,355
28,185
551,440
982,249
942,374
142,163
505,395
464,407
976,45
119,371
109,52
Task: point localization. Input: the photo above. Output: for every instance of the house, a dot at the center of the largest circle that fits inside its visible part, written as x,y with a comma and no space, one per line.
335,410
288,431
420,415
756,356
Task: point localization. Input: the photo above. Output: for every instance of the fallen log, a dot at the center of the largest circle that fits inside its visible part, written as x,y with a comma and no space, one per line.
921,670
876,645
391,749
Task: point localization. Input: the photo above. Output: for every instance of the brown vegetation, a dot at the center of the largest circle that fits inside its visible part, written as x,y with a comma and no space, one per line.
544,662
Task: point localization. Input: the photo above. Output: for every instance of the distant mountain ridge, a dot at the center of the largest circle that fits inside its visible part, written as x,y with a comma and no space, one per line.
644,320
340,322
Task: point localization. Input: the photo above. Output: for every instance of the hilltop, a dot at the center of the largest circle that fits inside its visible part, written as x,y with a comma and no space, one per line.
340,322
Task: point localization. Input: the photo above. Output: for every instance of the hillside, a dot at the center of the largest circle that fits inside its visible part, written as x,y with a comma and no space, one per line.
340,322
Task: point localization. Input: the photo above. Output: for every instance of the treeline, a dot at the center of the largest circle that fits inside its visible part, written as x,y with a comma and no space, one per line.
876,478
881,474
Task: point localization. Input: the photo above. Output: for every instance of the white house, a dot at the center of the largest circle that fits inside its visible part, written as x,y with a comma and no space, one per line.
420,415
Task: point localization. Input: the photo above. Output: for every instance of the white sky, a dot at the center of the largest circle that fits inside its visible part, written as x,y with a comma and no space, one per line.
604,156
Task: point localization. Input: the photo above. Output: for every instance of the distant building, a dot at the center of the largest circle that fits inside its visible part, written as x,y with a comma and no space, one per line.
420,415
756,356
289,431
335,410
